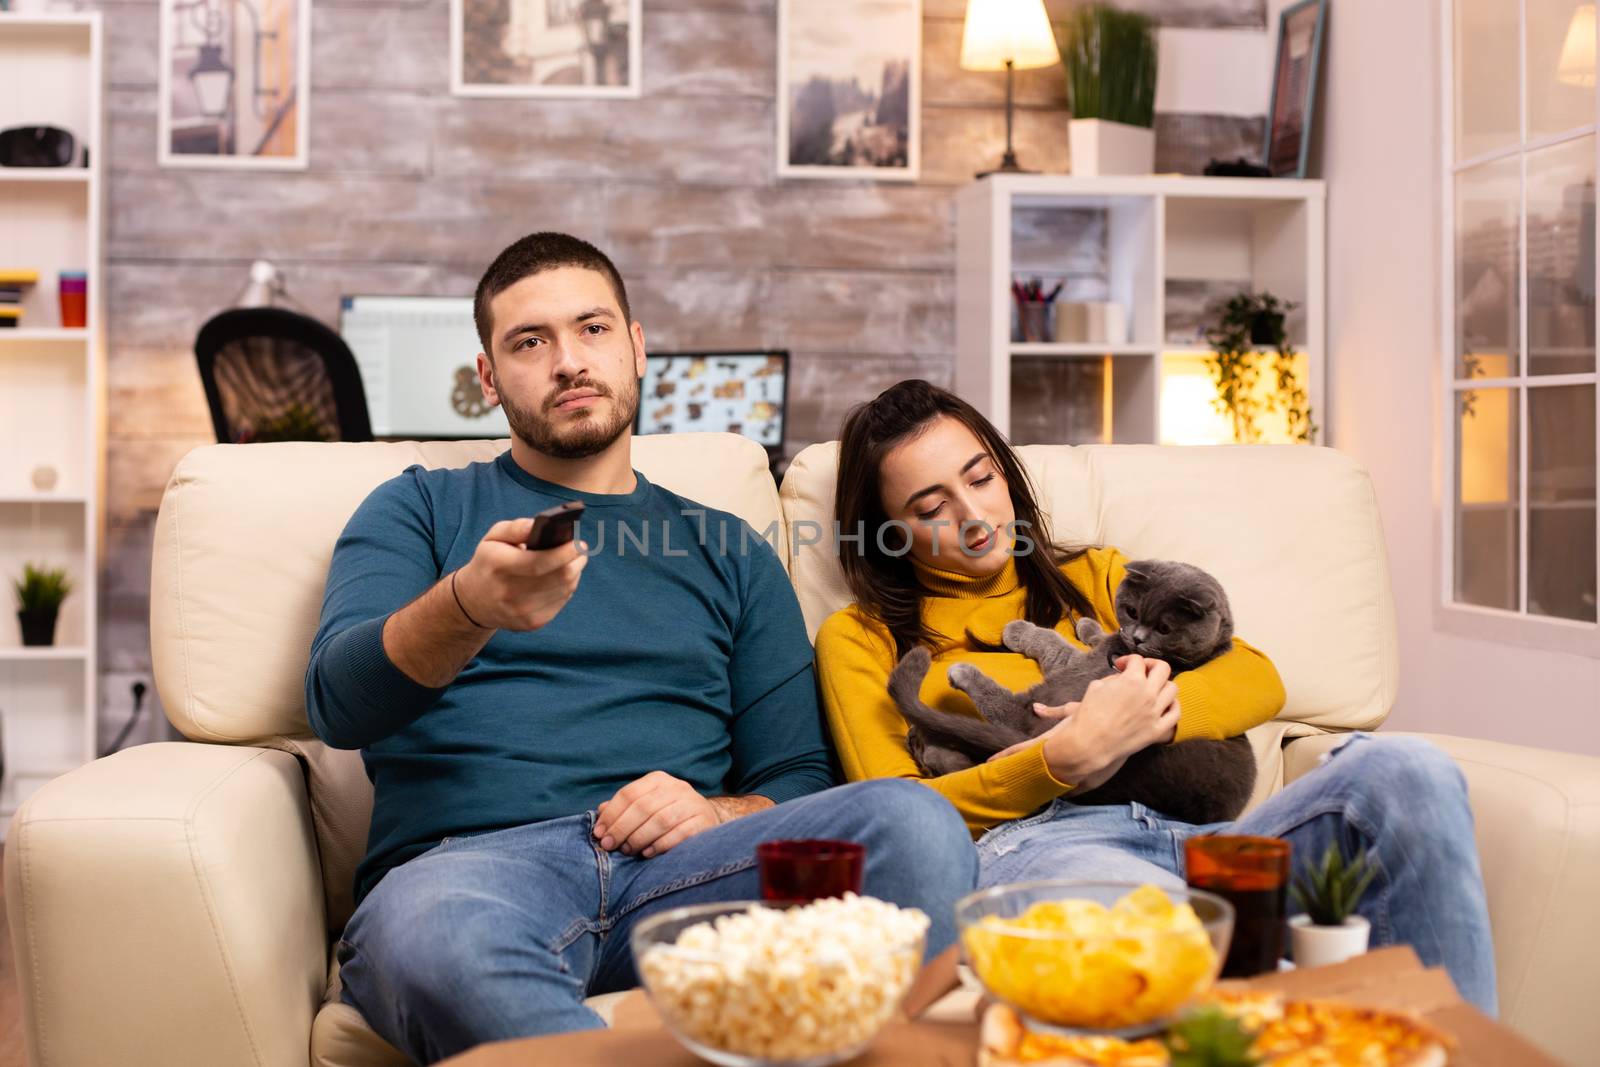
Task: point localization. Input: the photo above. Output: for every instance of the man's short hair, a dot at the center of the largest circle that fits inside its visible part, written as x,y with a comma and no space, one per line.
535,254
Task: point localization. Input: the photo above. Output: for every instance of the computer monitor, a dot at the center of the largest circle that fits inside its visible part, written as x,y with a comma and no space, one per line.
418,361
738,392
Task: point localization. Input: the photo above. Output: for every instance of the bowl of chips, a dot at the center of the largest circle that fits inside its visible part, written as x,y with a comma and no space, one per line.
1078,957
751,984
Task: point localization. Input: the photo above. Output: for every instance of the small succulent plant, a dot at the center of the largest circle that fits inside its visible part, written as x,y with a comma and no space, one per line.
1331,889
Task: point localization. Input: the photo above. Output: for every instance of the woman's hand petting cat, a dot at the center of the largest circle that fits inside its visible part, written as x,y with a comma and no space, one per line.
1118,716
1121,663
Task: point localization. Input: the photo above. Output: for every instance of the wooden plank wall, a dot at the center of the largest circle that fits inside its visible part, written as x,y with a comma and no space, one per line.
413,191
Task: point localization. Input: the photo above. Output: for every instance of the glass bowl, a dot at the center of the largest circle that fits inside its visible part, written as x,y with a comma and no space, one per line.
818,1001
1081,963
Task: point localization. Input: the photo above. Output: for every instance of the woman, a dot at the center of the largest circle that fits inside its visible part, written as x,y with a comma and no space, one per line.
954,548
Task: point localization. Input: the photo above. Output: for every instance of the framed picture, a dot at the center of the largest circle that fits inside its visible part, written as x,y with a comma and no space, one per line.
849,88
1294,88
234,83
545,47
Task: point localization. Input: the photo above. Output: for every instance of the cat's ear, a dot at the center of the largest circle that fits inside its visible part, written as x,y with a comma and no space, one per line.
1137,571
1193,605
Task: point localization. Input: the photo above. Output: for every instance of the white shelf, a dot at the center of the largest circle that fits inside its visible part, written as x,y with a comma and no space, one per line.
43,498
1129,241
24,20
1080,348
45,175
1181,349
55,334
1071,191
21,654
53,393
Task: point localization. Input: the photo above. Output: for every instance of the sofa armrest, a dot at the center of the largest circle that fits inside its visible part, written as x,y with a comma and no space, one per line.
1537,814
165,907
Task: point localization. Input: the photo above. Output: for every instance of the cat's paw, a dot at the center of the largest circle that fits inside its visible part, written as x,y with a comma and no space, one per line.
1016,634
962,675
1090,631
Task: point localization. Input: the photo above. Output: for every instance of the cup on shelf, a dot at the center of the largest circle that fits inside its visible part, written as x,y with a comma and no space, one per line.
73,289
1072,322
1101,322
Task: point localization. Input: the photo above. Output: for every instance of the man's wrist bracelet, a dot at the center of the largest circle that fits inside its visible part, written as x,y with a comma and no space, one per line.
465,614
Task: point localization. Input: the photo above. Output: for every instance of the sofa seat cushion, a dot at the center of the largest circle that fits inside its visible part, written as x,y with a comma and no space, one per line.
340,1037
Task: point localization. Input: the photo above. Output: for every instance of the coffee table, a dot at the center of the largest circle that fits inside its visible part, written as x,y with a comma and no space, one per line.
944,1031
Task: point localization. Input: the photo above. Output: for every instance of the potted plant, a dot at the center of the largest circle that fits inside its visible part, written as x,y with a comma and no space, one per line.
1110,58
1246,324
1330,931
39,597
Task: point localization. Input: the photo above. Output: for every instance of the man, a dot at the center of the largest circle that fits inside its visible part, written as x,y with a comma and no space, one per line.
564,741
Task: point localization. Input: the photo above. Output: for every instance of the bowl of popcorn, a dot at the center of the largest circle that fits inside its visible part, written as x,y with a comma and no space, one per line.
746,983
1116,958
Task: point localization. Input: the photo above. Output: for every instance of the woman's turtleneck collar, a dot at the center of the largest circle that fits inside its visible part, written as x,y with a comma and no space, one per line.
965,586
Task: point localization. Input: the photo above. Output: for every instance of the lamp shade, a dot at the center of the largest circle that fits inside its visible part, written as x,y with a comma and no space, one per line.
1576,65
998,31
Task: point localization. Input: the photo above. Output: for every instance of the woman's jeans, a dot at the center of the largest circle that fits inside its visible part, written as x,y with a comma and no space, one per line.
503,934
1401,799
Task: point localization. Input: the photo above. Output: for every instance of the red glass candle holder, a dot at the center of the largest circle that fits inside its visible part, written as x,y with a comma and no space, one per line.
1252,874
796,872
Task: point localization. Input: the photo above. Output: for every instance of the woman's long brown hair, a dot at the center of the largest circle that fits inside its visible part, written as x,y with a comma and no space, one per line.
885,585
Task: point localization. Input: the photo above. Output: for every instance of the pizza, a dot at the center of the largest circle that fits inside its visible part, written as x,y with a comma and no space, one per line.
1287,1033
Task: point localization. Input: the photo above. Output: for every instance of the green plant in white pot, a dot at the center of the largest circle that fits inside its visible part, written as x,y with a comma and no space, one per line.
40,592
1110,57
1330,930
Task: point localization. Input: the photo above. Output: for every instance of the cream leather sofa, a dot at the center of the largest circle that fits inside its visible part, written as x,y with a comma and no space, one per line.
175,903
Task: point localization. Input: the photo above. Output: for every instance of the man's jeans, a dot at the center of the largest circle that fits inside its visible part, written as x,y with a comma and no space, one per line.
1401,799
502,935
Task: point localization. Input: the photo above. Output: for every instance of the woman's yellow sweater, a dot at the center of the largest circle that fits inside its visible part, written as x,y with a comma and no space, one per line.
855,654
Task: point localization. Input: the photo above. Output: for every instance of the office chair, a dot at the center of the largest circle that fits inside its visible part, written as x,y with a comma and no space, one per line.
272,374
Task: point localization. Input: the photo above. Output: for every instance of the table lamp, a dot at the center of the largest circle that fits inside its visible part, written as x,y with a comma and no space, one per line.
1576,65
1008,35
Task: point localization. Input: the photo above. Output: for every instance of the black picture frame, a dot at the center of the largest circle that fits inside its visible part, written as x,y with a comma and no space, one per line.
1296,66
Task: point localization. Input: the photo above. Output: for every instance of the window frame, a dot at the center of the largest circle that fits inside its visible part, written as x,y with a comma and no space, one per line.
1469,620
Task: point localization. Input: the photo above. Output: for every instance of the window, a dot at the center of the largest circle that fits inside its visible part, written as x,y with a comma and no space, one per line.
1520,540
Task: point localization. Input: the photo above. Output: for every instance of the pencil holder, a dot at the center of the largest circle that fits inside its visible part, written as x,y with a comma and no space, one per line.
1033,321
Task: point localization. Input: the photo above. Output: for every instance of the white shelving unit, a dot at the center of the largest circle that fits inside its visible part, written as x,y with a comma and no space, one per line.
52,398
1159,246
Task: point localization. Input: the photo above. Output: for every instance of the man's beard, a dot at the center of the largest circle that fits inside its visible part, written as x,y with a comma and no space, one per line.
586,435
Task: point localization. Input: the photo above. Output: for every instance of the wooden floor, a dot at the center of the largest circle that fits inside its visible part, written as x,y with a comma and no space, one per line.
10,1003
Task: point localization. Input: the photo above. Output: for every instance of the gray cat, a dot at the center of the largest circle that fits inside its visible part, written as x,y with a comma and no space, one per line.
1170,611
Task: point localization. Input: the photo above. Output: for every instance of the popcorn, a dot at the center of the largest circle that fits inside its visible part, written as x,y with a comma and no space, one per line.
789,984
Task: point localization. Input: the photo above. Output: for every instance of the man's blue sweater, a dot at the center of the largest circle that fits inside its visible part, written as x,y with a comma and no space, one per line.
683,650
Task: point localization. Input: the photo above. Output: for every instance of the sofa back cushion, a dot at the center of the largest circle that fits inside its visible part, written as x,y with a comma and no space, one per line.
241,554
244,538
1291,532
